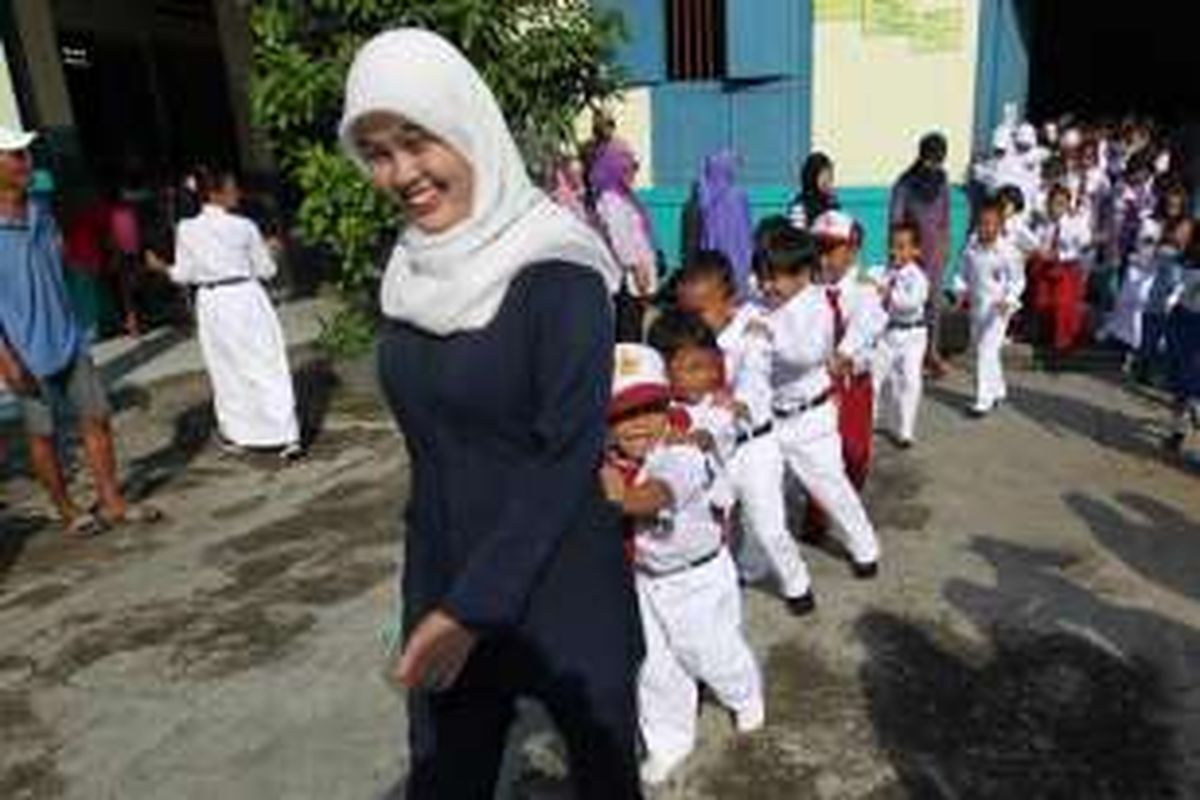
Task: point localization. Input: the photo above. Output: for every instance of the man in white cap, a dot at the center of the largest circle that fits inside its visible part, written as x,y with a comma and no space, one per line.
43,353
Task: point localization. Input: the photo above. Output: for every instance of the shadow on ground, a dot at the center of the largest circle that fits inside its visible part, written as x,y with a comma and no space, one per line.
1061,416
1157,540
1075,696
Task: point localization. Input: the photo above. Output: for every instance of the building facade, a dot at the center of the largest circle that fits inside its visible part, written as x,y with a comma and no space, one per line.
860,80
148,86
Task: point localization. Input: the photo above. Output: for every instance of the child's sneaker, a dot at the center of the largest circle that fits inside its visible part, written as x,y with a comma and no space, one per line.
657,769
751,719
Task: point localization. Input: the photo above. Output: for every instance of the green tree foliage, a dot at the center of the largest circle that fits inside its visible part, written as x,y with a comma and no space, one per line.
546,60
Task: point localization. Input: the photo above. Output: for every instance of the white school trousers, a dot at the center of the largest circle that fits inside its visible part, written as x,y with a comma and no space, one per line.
812,449
987,333
899,381
692,622
756,471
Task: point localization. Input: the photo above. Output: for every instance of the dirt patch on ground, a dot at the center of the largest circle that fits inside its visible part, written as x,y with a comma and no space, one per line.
336,546
804,697
27,765
893,492
36,597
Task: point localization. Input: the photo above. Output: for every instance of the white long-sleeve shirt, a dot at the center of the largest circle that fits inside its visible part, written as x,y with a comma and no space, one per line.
1064,239
906,292
747,344
865,318
217,245
992,274
803,329
687,530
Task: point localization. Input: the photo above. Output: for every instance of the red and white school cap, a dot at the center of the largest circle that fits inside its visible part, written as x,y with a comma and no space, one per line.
639,379
834,227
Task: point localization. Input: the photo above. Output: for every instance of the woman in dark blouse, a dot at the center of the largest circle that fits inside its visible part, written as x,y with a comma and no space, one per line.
496,360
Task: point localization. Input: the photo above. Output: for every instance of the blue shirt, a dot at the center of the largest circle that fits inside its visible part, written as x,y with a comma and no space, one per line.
36,319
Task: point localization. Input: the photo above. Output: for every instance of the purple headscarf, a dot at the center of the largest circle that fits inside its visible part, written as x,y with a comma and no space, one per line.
612,170
725,214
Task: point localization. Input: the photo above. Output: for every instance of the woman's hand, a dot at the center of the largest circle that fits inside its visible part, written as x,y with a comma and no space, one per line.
614,484
435,653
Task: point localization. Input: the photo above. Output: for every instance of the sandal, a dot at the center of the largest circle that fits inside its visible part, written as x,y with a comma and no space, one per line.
135,514
85,526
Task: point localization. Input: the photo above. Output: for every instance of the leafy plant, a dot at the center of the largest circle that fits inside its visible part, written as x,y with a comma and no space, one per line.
546,60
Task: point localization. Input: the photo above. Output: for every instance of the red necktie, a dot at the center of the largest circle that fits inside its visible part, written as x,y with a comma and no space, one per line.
834,296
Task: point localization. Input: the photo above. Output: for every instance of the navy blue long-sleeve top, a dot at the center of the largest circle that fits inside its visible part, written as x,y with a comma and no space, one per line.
507,525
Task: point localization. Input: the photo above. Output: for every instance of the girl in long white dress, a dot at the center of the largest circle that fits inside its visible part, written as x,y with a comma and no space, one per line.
224,255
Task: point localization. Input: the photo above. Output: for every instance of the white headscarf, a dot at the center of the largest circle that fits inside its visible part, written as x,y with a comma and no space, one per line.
456,280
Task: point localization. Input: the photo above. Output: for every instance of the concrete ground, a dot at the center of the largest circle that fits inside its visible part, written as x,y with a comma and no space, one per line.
1035,631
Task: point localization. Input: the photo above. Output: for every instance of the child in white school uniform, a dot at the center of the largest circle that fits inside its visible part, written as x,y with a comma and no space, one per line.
1057,277
991,279
898,373
686,581
706,288
805,409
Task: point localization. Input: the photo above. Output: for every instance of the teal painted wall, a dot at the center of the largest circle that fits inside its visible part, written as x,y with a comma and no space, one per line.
867,204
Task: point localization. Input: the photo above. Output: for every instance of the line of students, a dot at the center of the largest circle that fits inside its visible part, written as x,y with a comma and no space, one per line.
706,419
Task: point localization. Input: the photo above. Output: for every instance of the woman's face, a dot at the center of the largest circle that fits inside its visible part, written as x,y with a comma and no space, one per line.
433,182
825,180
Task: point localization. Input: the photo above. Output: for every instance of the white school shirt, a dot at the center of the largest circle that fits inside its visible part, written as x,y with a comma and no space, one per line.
1064,239
803,328
992,275
626,235
689,529
907,290
747,344
865,318
217,245
1018,233
717,421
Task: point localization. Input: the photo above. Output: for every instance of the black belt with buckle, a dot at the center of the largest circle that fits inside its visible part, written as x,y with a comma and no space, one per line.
906,326
761,430
803,406
225,282
699,562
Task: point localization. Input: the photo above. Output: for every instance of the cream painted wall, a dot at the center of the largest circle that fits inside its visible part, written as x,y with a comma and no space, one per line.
875,95
10,116
633,117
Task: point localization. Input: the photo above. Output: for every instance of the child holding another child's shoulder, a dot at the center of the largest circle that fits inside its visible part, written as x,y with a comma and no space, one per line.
687,585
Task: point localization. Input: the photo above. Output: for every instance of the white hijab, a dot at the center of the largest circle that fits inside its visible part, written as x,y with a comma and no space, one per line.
456,280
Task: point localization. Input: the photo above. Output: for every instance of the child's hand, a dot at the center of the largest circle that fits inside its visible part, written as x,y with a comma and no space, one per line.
725,399
840,366
703,440
1004,308
614,484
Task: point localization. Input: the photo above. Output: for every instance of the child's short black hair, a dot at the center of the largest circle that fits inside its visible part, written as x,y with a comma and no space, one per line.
1013,196
994,205
709,265
674,330
790,251
1057,190
908,226
762,232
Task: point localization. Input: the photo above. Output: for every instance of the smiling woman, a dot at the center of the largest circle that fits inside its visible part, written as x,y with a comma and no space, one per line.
496,359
